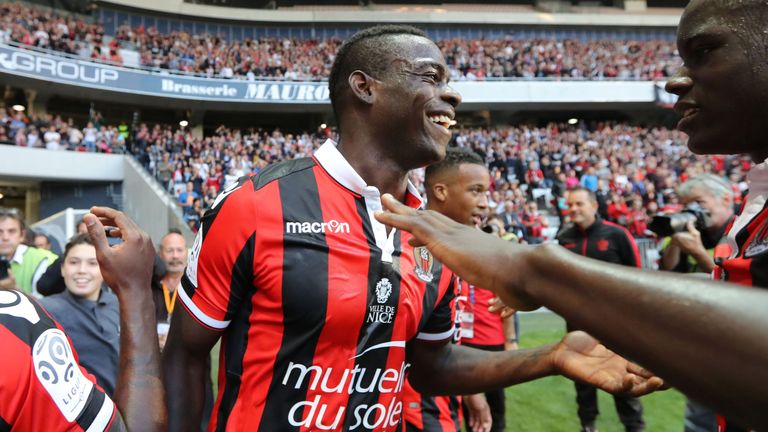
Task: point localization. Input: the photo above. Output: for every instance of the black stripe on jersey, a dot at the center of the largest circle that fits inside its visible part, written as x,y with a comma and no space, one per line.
305,282
431,294
279,170
454,406
430,415
93,406
4,425
239,311
372,332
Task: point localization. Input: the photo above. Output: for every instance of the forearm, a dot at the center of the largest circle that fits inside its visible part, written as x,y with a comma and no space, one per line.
670,258
669,323
464,370
140,394
184,376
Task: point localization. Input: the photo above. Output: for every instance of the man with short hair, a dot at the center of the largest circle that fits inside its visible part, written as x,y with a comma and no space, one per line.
27,263
323,309
593,237
694,251
42,241
709,339
456,187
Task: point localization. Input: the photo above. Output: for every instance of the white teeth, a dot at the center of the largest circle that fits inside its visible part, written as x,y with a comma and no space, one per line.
442,120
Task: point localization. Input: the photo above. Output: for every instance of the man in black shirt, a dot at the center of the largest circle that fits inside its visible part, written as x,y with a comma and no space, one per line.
593,237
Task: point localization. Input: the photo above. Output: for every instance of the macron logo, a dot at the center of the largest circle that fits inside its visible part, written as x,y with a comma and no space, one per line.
332,226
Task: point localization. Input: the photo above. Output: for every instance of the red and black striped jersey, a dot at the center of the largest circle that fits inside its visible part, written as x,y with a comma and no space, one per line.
431,413
317,301
437,413
42,387
747,263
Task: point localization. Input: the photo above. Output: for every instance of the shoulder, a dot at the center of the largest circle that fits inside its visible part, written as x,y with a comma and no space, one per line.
40,254
616,230
55,302
279,170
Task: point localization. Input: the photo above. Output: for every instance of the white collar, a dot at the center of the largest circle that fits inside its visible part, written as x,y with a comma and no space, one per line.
333,162
757,178
18,256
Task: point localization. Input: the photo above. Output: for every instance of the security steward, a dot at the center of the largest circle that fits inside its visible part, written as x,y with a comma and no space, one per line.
593,237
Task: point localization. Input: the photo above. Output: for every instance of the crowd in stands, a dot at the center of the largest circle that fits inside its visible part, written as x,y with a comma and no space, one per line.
310,59
634,170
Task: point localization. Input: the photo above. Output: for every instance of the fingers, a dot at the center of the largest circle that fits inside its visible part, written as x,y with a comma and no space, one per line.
636,369
96,232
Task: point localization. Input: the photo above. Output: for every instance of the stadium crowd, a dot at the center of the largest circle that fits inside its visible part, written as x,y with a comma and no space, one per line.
634,170
212,55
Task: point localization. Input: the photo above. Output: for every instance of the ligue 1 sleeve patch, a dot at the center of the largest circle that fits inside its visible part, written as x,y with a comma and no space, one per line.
423,262
15,304
59,374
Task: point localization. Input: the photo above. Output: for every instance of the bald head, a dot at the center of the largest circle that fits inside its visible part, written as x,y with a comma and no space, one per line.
173,252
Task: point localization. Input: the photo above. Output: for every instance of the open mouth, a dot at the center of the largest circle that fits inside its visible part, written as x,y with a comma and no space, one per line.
442,120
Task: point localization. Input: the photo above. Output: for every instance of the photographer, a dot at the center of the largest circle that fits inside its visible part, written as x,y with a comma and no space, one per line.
691,251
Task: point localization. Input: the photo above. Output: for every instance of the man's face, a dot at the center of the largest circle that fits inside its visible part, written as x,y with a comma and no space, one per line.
42,242
11,236
581,209
720,209
416,104
467,194
173,252
723,84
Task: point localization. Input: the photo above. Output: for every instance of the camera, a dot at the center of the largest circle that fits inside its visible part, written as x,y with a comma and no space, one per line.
4,265
490,229
666,225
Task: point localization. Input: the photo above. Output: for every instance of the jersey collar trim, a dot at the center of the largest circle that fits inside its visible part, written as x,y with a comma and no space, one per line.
333,162
757,178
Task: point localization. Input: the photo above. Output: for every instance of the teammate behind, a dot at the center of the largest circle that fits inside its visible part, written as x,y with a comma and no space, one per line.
457,187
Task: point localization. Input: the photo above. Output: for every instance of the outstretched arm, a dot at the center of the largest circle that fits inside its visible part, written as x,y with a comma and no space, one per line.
454,369
707,338
127,269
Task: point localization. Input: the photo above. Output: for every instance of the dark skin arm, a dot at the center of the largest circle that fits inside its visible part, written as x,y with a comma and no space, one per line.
184,364
668,323
454,369
127,269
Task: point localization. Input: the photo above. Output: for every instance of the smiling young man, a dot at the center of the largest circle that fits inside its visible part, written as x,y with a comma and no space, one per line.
322,309
709,339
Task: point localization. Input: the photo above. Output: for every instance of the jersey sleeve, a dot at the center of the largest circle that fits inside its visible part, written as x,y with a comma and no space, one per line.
440,325
43,387
216,278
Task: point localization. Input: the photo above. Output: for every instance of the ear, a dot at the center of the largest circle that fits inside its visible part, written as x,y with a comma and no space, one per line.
440,191
362,86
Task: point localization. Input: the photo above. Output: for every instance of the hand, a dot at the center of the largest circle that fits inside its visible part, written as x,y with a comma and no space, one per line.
581,357
9,282
475,256
129,264
496,306
689,241
480,419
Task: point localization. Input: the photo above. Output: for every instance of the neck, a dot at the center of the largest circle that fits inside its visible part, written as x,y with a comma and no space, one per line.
375,166
172,280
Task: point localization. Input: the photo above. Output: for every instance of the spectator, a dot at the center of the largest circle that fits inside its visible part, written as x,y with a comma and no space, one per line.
42,242
27,263
89,314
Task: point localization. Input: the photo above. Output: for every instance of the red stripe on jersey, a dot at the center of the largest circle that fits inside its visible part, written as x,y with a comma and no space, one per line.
266,332
345,311
220,248
412,406
446,416
632,242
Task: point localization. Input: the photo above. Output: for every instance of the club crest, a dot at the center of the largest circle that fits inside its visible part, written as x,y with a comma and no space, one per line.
423,262
383,290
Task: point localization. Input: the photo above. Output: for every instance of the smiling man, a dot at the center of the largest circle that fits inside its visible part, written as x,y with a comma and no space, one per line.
322,309
709,339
